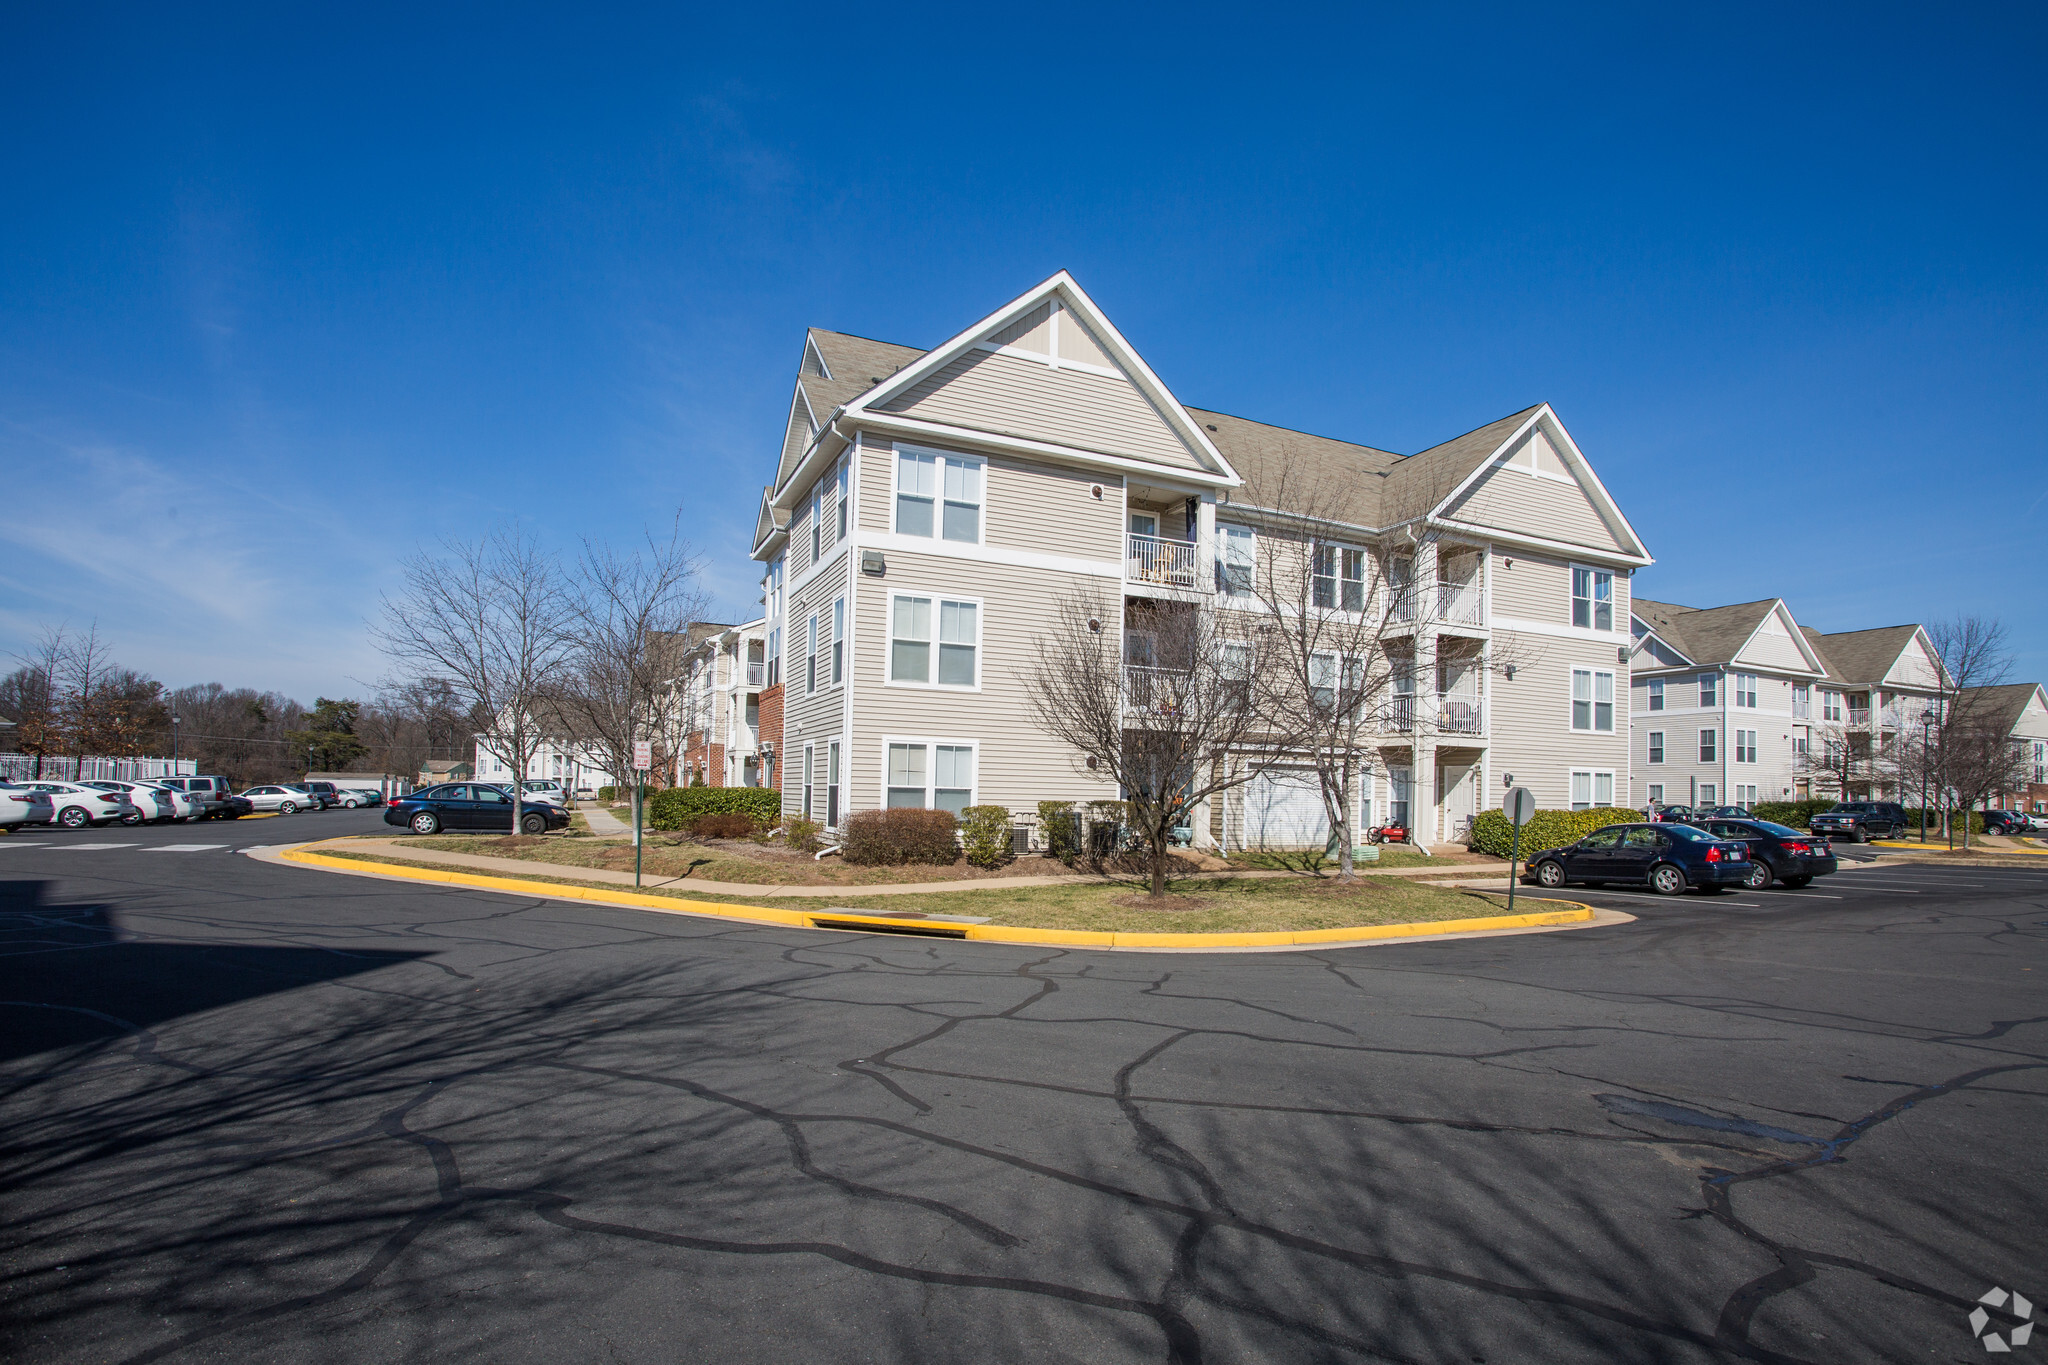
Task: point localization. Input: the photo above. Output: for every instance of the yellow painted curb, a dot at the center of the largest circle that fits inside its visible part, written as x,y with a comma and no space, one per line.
1945,849
983,933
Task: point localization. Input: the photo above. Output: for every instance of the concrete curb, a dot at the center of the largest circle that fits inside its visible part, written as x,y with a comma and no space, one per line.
1577,916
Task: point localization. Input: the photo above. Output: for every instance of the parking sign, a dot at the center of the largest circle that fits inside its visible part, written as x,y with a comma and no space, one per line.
643,754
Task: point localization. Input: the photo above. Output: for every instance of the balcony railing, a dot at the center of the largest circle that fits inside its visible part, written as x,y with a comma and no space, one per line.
1153,691
1460,604
1460,714
757,674
1859,715
1401,714
1155,559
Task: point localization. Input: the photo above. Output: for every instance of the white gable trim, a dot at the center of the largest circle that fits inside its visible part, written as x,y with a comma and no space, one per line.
1060,287
1919,637
1650,633
1575,459
899,425
1806,651
1583,553
811,351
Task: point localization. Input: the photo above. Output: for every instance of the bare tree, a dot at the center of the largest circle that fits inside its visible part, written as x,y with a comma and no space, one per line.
238,732
408,725
631,615
492,619
1166,729
1837,754
1975,656
32,697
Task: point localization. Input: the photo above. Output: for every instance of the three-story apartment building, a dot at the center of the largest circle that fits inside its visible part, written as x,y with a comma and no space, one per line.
722,678
929,508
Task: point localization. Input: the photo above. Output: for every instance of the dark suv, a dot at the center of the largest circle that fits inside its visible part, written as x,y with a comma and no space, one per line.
1861,821
2005,822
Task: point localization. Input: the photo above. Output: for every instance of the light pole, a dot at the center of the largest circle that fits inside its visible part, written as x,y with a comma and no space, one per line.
1926,740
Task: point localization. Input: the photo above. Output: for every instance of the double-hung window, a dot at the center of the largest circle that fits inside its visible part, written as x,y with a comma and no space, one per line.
1656,793
1234,561
1591,789
832,784
811,657
838,642
1745,691
1745,795
810,776
911,642
1656,746
1802,701
1592,598
1656,694
938,776
840,500
1339,578
1707,791
1322,683
1831,706
1709,746
1593,699
817,521
938,495
1710,689
1745,746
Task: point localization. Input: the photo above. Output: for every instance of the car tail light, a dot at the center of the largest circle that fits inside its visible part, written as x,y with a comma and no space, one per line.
110,796
1713,855
1799,848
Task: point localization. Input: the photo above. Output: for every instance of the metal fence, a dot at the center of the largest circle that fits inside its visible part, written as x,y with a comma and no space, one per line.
23,767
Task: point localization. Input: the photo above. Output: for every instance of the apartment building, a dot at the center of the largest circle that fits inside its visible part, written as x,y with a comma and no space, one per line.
2020,711
929,508
722,677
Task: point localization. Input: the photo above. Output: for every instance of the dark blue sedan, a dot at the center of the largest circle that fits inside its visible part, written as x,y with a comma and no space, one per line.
1668,858
469,806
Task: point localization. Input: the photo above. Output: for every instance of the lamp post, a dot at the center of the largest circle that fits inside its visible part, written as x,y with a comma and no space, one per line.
1926,740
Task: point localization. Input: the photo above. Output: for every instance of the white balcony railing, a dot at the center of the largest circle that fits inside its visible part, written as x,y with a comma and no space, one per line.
1460,604
1859,715
1155,559
1460,714
757,674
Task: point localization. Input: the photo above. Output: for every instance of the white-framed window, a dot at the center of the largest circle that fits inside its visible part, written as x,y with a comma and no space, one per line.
1593,699
839,498
938,494
1710,746
933,774
817,521
1322,682
774,655
1235,548
1707,793
1830,705
1592,788
811,657
1657,793
1710,689
921,626
832,784
1744,794
1802,701
838,641
1592,598
1800,742
1745,746
810,777
1745,691
1656,688
1338,578
1656,746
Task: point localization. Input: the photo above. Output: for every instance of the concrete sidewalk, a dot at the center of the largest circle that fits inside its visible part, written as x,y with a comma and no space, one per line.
602,822
398,847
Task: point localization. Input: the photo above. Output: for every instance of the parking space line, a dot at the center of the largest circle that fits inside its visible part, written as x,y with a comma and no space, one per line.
90,848
15,843
183,848
1800,895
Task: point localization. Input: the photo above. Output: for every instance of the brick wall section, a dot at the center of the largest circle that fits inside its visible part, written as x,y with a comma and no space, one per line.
697,758
770,716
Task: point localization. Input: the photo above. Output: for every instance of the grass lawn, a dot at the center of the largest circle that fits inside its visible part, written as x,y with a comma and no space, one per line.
1226,905
677,855
1449,857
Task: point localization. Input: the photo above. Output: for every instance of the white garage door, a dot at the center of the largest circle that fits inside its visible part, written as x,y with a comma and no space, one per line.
1283,808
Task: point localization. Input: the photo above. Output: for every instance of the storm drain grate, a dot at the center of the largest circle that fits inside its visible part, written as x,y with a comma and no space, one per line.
923,930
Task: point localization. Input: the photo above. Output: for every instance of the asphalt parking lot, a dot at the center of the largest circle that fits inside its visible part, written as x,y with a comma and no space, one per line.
265,1113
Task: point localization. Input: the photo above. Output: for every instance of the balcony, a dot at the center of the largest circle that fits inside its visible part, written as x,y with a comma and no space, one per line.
1859,715
1154,691
1157,560
1459,604
1460,714
757,674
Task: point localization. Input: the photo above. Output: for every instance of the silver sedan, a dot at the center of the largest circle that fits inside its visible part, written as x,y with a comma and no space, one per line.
283,800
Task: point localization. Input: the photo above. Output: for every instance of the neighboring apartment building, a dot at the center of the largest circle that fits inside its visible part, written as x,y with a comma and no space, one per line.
1723,703
723,676
2021,711
930,507
573,763
1880,685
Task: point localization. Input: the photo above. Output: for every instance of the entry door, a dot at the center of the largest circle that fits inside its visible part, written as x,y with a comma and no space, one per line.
1284,809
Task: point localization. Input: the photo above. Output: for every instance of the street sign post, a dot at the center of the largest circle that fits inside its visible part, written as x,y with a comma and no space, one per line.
1519,805
643,759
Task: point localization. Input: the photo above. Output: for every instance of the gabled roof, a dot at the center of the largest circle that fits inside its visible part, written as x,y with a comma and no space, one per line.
1460,463
1265,455
1430,478
2001,706
1713,635
769,519
857,365
1861,658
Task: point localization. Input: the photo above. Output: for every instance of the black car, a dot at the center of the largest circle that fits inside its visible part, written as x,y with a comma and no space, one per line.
1668,857
1777,851
1861,821
235,807
1677,815
471,806
2004,822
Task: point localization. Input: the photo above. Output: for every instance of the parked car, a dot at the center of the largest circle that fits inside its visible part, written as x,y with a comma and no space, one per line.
283,800
1669,857
1673,815
1777,851
23,805
77,806
1721,813
354,797
2037,823
236,807
152,803
471,806
543,789
214,797
2004,822
324,795
183,807
1861,821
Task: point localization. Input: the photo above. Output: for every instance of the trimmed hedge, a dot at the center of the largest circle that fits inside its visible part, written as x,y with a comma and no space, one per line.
1491,832
1056,827
1793,813
985,834
902,834
678,807
608,795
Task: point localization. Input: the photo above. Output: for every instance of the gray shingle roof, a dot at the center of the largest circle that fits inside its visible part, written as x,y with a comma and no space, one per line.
1861,658
857,365
2001,705
1706,635
1267,457
1427,477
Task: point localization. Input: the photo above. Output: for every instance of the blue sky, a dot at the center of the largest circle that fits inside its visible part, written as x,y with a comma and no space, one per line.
288,293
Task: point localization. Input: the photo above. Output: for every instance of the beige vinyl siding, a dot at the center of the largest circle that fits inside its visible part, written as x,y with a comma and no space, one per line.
1018,766
1531,719
1012,396
1913,669
810,718
875,481
1032,332
1512,499
1027,504
1537,588
1770,648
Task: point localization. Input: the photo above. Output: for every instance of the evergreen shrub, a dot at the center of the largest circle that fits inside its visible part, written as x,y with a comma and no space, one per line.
679,807
985,834
1492,833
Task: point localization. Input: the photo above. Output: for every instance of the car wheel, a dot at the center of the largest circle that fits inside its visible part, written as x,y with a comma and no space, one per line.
534,824
74,817
133,817
426,822
1550,875
287,808
1759,876
1666,880
1796,882
1859,835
